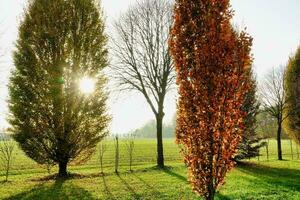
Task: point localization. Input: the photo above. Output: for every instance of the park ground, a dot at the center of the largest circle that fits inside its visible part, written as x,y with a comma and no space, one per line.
255,179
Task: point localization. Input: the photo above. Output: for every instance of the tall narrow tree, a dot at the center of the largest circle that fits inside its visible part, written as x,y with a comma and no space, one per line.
211,61
59,43
292,91
143,61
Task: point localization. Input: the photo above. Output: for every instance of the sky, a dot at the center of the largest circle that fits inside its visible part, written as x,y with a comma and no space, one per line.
274,25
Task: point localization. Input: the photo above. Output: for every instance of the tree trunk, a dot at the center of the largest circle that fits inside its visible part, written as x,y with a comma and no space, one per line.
101,164
211,189
62,172
211,195
279,150
160,150
130,162
267,149
291,142
117,155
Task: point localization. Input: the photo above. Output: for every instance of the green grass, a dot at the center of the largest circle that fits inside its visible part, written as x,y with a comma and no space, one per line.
253,180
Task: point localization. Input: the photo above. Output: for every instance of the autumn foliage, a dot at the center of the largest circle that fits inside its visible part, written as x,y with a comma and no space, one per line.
211,60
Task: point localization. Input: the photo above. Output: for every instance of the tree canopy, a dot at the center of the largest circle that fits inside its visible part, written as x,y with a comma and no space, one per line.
59,43
143,60
211,60
292,88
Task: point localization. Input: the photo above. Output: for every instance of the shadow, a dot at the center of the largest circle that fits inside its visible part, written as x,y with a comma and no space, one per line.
57,190
150,188
172,173
5,182
129,188
221,196
71,176
272,176
106,189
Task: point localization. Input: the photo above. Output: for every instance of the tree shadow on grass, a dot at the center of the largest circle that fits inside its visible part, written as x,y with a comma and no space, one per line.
282,177
185,180
174,174
57,190
150,188
221,196
5,182
106,189
129,188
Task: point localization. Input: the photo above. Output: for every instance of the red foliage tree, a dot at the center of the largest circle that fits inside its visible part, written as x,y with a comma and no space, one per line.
211,60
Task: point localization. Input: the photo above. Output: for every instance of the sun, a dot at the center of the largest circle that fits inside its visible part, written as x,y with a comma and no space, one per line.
87,85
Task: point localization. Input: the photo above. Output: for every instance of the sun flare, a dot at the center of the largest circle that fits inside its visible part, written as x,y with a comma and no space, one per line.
87,85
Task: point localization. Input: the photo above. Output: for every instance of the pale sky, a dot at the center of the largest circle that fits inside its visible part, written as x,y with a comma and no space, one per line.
274,25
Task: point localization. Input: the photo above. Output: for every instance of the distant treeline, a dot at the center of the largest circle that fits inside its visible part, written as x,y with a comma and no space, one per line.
266,128
149,130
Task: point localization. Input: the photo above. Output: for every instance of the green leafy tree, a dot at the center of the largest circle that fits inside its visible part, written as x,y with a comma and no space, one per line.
292,88
59,43
250,142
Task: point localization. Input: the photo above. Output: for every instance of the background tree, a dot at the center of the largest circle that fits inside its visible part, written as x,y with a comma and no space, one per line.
266,125
292,91
129,143
102,150
117,154
250,142
143,60
275,101
59,43
7,147
211,61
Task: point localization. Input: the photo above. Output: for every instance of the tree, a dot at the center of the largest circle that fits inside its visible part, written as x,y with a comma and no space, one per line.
7,147
129,142
275,101
102,150
59,43
143,61
211,60
292,91
250,142
117,154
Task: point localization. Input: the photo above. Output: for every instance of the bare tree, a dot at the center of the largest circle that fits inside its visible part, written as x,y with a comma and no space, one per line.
274,100
102,150
129,142
143,62
7,147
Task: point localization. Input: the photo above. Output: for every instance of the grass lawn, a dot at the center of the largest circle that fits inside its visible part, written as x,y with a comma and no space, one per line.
252,180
